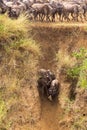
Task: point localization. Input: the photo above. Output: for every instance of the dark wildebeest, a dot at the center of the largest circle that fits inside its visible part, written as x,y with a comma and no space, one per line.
83,5
43,11
16,9
44,81
39,11
57,9
54,89
72,9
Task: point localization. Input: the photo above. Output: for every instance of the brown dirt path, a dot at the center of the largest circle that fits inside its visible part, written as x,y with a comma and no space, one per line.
51,115
51,112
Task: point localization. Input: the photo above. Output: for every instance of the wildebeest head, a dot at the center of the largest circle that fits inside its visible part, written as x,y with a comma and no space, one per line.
30,13
13,12
51,74
42,72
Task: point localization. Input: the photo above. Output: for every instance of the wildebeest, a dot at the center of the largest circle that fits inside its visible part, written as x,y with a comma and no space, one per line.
83,8
13,8
38,11
46,10
43,11
70,9
44,81
16,9
74,8
48,84
54,88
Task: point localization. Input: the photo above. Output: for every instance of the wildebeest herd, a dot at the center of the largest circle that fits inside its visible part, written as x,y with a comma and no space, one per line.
48,84
50,11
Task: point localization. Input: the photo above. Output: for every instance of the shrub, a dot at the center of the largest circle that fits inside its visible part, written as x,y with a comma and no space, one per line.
79,70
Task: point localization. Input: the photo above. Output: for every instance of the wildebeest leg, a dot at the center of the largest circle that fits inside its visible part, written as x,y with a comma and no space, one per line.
76,17
35,16
66,16
43,16
81,17
41,91
46,88
47,18
39,17
43,88
84,14
72,15
53,18
61,18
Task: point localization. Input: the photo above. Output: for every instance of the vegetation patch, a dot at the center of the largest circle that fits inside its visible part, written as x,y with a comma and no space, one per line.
73,70
19,55
79,70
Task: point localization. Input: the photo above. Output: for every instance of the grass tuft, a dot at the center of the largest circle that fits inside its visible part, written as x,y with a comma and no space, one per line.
10,28
65,59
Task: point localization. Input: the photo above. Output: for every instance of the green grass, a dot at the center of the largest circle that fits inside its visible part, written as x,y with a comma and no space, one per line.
79,123
75,65
79,70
